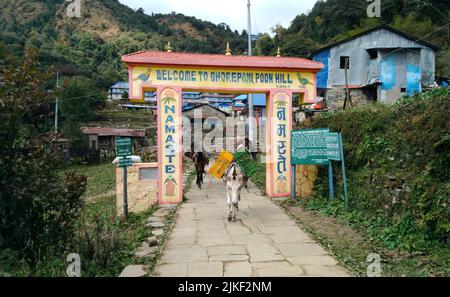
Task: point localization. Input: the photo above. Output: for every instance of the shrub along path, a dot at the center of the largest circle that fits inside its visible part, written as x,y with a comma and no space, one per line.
264,242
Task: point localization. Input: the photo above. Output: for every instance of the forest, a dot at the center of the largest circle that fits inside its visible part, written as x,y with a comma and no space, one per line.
92,47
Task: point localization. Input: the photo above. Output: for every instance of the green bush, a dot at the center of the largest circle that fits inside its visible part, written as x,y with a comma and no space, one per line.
39,210
397,160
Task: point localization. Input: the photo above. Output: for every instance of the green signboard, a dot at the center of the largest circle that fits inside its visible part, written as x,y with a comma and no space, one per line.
333,146
125,162
123,147
309,147
319,147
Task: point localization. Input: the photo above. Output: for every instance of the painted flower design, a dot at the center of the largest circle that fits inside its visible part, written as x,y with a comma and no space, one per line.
169,100
282,184
280,103
170,185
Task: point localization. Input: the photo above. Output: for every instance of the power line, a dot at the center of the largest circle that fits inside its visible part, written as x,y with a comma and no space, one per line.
56,106
419,39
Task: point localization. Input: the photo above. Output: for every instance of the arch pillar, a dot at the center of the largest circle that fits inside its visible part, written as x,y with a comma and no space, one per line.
278,144
170,146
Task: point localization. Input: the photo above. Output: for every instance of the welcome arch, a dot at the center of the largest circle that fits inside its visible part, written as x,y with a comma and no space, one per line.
171,74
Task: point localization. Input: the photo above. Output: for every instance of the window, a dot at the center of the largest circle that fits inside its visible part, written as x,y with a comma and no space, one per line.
148,173
373,53
403,90
345,62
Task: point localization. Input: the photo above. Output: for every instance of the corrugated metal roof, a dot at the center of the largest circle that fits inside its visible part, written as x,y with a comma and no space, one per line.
189,107
380,27
208,60
121,85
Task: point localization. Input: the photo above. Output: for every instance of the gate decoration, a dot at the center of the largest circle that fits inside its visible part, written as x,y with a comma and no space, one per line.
279,169
170,74
170,147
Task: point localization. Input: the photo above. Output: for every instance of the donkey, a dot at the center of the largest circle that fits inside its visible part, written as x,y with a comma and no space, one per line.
200,162
234,178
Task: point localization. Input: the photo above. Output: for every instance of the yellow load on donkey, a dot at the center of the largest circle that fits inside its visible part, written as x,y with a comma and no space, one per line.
242,158
221,165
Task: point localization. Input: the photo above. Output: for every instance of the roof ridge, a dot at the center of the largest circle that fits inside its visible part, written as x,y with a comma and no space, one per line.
373,29
219,60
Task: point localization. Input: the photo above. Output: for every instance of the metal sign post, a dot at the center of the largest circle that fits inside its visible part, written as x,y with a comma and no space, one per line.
333,153
124,151
125,193
330,181
344,177
294,184
319,147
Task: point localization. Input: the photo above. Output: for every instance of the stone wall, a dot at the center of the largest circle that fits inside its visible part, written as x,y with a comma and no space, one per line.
335,98
142,193
305,178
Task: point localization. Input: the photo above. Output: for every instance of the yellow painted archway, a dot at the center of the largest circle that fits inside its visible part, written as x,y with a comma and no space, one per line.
171,74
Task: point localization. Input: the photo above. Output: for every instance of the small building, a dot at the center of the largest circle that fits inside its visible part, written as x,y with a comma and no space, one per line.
207,111
383,64
102,141
239,103
210,116
118,91
259,106
121,89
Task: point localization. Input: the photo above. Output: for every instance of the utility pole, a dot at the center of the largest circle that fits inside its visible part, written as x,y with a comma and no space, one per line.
348,99
57,102
250,96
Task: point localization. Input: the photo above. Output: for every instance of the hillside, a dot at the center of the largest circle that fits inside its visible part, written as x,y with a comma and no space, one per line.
334,20
91,46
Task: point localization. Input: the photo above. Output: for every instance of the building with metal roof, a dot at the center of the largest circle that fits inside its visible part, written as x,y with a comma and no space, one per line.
383,64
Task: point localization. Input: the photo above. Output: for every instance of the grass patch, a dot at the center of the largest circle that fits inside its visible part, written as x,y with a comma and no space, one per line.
105,243
114,117
101,178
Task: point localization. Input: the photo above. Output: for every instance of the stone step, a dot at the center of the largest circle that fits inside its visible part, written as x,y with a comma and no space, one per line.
134,271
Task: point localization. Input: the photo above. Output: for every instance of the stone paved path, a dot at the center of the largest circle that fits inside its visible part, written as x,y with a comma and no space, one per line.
264,242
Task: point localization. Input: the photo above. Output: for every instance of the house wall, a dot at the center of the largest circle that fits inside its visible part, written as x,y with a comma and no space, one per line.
400,74
428,66
322,76
336,96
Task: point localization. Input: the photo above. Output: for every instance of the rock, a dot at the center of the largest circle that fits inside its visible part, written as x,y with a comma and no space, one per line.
134,271
152,241
161,213
158,232
145,251
156,225
155,219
